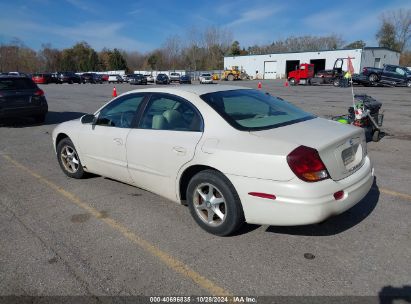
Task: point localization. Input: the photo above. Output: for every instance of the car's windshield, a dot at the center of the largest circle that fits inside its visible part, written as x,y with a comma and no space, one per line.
16,84
252,110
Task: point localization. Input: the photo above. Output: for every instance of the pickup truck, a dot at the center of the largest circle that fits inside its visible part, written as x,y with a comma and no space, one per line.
390,75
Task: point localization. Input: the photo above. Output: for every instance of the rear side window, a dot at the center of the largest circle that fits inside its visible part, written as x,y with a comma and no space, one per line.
17,84
169,112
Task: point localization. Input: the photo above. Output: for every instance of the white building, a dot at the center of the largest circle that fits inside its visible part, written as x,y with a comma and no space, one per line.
272,66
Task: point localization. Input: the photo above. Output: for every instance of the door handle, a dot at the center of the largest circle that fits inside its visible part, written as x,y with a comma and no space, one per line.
180,150
119,141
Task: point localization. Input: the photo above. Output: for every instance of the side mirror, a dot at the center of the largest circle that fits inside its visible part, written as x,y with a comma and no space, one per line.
88,118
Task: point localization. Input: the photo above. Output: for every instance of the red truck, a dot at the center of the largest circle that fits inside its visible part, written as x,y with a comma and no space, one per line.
302,75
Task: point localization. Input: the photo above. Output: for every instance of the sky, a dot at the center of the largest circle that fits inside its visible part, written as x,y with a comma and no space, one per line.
145,25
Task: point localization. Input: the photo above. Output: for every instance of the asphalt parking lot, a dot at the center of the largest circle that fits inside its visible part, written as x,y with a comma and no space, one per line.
60,236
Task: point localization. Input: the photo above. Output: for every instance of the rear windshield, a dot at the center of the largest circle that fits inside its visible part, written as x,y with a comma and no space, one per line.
251,110
16,84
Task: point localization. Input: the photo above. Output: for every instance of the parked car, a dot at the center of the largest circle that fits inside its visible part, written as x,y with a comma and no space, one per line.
18,74
150,78
162,79
185,79
205,78
21,97
126,77
115,79
389,75
174,77
91,78
231,154
69,77
42,78
137,79
54,77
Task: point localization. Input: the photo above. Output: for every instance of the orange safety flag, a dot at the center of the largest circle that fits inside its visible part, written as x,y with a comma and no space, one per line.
350,67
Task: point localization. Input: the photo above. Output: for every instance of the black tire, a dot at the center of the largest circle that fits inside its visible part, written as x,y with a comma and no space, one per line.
70,81
292,81
372,78
62,145
376,136
232,209
40,118
230,77
336,82
408,83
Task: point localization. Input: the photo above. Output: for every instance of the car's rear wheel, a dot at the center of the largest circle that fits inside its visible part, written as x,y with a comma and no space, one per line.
373,78
409,83
336,82
214,203
68,159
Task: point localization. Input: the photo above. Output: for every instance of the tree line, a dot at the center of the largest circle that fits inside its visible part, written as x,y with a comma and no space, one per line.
197,50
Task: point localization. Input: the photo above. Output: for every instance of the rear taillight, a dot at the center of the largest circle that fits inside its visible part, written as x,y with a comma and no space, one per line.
39,92
306,163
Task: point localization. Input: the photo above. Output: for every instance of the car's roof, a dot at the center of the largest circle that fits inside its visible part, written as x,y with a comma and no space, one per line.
194,89
13,76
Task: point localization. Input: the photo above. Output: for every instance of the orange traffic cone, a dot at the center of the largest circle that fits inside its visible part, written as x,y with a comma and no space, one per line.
286,84
114,92
259,86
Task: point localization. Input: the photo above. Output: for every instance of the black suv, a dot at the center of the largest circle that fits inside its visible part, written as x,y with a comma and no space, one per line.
91,78
69,77
137,79
21,97
162,79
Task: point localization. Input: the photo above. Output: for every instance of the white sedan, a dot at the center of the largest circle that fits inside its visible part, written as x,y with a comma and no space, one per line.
232,154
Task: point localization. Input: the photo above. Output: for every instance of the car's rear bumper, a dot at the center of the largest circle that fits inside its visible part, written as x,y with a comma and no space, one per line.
298,202
23,111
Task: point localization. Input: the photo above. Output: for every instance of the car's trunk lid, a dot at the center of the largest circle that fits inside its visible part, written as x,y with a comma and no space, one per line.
342,148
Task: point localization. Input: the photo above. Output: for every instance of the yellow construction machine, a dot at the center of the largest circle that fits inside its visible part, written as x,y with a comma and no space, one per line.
234,74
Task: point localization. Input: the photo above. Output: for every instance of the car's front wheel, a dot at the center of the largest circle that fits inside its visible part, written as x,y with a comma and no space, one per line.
68,159
214,203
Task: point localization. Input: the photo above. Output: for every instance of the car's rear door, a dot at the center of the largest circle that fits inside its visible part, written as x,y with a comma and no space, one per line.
165,140
103,143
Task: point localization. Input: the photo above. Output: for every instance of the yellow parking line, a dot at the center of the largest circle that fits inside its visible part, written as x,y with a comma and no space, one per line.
164,257
395,193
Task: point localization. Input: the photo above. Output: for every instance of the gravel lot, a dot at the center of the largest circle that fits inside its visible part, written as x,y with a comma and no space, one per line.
60,236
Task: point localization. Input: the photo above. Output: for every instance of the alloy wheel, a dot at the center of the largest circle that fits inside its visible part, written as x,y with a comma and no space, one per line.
70,159
210,204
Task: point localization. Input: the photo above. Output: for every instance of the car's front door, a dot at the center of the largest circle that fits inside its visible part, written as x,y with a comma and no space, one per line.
103,143
164,141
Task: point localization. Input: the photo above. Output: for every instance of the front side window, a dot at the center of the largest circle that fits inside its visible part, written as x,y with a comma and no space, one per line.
168,112
400,71
121,112
251,110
